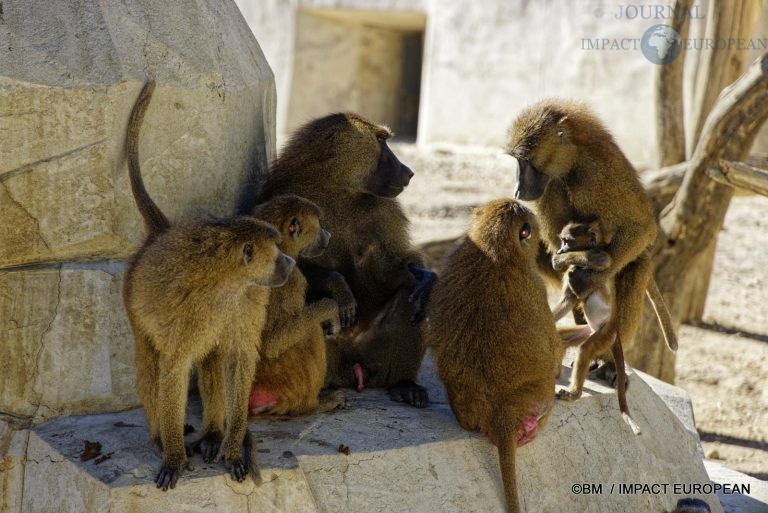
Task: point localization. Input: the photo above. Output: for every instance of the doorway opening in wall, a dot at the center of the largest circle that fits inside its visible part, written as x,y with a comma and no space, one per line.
369,62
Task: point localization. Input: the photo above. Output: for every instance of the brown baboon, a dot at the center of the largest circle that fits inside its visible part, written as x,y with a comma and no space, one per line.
583,245
690,505
492,334
183,292
291,371
571,168
580,247
342,163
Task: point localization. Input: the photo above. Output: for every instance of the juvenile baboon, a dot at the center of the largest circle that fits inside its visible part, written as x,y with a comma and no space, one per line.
291,371
342,163
571,168
492,334
184,292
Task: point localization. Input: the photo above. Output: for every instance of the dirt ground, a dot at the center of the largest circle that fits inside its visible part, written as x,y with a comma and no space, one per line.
722,363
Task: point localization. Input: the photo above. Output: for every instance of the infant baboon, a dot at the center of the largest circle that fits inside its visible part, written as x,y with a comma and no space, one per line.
583,245
492,334
291,371
184,292
342,163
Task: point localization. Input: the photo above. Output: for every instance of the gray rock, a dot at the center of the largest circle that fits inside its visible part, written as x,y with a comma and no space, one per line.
400,459
70,74
67,347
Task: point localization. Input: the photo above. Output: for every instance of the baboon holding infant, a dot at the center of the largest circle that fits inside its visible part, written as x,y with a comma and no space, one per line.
492,334
186,292
570,169
343,164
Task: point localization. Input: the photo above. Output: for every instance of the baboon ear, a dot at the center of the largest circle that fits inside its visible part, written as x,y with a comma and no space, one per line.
563,129
247,252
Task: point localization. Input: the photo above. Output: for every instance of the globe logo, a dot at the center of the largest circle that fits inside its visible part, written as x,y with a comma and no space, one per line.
661,44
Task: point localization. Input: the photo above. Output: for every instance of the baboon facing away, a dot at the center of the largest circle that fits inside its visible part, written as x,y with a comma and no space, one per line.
492,334
342,163
291,370
183,292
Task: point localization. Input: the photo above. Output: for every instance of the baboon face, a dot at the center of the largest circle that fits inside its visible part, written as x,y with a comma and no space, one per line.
255,254
579,236
298,220
505,229
388,176
303,234
540,141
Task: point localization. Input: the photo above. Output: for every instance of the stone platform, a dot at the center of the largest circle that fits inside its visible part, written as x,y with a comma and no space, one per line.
400,459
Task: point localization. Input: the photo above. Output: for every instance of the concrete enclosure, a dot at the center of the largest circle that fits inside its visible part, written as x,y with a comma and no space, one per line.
375,61
463,68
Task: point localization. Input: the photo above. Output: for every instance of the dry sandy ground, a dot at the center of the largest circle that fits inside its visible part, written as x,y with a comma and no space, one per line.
722,364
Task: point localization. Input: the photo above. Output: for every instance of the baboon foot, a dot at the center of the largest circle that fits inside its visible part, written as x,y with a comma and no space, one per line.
567,395
208,445
169,474
407,391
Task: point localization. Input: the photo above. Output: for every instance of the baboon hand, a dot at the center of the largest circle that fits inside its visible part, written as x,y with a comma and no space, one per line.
209,445
347,309
594,259
169,474
238,469
332,326
420,295
407,391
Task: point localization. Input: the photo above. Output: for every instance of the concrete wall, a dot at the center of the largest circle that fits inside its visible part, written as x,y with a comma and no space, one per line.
483,63
69,75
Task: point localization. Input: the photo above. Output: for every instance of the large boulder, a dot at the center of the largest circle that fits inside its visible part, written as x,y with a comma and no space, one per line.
397,459
70,74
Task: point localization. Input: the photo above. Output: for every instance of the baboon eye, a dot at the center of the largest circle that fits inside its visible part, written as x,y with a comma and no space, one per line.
248,252
525,231
294,228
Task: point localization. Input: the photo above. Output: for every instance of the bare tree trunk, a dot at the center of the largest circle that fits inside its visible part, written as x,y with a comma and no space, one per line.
718,69
692,221
670,127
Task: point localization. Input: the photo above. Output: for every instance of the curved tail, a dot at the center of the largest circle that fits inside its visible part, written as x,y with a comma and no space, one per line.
662,313
154,220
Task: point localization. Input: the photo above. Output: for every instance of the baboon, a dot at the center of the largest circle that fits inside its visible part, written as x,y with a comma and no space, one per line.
580,247
183,293
571,168
583,245
492,334
342,163
690,505
291,371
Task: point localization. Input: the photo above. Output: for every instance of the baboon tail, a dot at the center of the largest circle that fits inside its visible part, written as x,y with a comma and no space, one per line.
154,220
621,384
507,441
662,313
